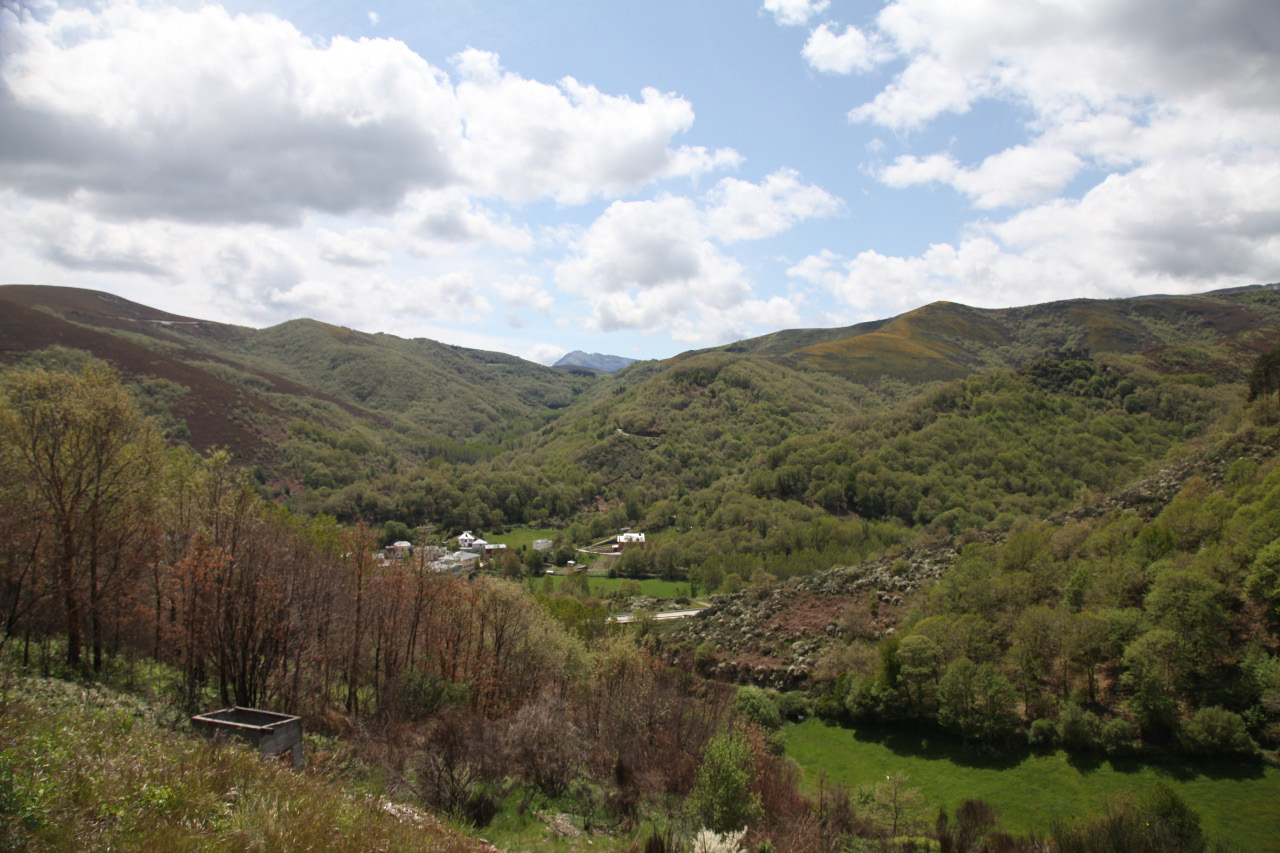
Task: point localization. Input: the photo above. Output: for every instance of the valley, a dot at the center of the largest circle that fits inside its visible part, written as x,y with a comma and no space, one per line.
1036,541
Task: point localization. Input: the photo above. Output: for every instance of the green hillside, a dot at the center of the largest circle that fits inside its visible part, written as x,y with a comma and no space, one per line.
945,341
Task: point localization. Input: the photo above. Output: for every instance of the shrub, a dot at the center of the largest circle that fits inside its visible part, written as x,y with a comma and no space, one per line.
1160,822
723,798
417,695
1119,736
544,745
1043,734
793,707
757,707
1079,729
1216,731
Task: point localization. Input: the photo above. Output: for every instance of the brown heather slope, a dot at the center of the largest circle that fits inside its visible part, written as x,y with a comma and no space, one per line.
218,413
215,411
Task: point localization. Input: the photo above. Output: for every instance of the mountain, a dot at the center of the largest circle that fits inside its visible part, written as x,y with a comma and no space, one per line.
594,361
362,425
253,390
944,340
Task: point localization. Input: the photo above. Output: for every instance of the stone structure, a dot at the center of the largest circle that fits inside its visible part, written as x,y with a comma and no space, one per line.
266,731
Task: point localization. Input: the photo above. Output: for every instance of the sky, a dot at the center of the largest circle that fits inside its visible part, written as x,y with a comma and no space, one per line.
635,178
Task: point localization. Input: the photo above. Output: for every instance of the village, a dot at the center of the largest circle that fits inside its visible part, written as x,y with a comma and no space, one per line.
474,553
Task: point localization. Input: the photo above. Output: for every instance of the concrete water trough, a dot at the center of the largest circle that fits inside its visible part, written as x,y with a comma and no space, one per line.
269,733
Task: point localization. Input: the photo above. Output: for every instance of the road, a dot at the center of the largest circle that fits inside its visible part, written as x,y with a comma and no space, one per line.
624,618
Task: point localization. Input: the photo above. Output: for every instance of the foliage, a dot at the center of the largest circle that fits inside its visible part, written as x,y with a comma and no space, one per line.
1079,729
977,702
1119,737
757,707
1160,821
1043,734
82,768
1216,731
723,797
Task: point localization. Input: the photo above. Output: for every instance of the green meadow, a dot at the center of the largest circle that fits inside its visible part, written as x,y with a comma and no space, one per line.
601,587
1238,802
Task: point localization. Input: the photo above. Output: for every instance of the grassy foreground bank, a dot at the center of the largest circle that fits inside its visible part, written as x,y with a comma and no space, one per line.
1237,802
83,768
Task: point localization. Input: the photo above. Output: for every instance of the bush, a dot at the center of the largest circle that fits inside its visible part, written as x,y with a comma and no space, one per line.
417,695
793,707
1216,731
1160,822
755,706
704,658
1043,734
1119,737
1079,729
723,798
544,745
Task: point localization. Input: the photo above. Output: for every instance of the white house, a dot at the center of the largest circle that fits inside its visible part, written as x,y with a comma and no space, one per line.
543,545
465,540
630,538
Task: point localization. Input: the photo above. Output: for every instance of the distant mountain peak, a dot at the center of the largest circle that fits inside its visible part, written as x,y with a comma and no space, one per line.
594,361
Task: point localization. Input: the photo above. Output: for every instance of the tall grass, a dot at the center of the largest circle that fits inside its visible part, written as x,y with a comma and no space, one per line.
82,768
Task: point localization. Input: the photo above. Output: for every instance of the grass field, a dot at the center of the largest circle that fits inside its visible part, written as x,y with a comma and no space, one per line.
1238,802
601,587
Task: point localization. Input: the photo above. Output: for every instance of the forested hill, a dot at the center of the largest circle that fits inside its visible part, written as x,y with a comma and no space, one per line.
253,390
944,340
823,427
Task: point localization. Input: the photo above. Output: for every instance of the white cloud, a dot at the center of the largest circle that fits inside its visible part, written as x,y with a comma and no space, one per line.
447,222
746,211
1172,228
840,54
545,353
651,266
525,291
452,297
794,13
908,170
202,116
361,247
374,18
1015,176
571,142
1174,105
1018,175
925,90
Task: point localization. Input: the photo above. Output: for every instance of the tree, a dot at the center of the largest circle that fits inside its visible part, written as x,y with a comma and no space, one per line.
1263,582
977,701
895,806
919,667
723,798
392,532
91,459
757,707
1264,378
1149,661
